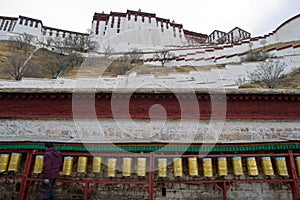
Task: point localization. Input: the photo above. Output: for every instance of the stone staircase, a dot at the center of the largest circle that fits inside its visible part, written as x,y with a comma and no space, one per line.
91,67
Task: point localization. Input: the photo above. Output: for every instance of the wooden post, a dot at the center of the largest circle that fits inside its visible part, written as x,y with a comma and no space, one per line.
151,177
294,176
26,174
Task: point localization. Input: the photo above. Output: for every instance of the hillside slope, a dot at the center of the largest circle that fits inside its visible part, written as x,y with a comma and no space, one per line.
46,63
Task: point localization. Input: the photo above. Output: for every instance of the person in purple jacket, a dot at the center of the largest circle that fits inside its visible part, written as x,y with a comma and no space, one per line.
51,170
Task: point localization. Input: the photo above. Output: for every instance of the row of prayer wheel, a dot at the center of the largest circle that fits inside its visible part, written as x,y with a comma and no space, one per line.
162,165
207,166
96,165
11,163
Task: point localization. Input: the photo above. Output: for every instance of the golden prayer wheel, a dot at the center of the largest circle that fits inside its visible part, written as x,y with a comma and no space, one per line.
193,166
281,166
126,166
177,165
111,167
141,166
297,159
267,166
207,167
252,167
4,158
82,164
237,166
14,162
68,165
38,164
162,167
96,168
222,166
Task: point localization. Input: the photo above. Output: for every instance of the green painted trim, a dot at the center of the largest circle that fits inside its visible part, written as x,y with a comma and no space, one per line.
155,148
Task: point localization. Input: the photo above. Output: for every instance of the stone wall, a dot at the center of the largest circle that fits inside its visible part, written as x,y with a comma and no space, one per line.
109,130
171,191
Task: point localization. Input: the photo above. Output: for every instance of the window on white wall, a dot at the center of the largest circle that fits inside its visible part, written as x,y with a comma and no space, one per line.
2,23
14,25
5,26
174,31
112,22
10,26
119,23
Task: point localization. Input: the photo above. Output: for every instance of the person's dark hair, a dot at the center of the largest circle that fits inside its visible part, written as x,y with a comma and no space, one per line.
48,144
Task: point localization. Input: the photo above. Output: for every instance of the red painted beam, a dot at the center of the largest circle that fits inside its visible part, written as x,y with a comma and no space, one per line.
139,105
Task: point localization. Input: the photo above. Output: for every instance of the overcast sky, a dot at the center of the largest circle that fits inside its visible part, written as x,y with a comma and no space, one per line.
258,17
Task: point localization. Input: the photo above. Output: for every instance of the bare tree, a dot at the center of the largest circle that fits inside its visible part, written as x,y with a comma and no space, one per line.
254,56
59,45
164,56
240,81
108,50
81,43
23,42
76,59
46,42
20,63
134,56
17,68
269,73
19,44
49,41
27,38
89,44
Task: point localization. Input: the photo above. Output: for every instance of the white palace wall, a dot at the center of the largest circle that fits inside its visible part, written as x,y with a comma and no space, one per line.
137,33
30,27
289,31
144,32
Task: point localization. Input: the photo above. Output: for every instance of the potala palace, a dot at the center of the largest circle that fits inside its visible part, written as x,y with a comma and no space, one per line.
185,135
133,29
223,53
